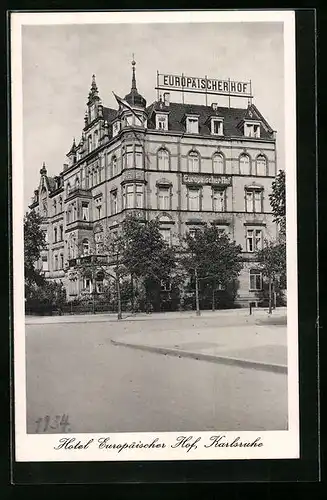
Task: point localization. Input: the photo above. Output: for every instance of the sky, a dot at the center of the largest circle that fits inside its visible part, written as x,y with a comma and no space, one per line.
58,62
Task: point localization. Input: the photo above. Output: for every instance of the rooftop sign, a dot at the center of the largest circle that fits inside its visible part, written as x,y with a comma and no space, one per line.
203,85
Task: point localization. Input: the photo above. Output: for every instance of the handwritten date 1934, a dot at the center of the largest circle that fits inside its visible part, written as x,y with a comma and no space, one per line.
50,423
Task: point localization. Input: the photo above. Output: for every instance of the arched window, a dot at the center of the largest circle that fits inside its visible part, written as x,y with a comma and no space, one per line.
55,262
218,163
61,261
54,207
68,188
89,142
193,162
76,182
261,164
69,214
245,168
85,247
163,159
60,204
114,166
44,206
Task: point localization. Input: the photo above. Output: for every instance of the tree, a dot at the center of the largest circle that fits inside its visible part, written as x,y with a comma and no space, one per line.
147,256
277,200
272,262
105,262
212,258
34,243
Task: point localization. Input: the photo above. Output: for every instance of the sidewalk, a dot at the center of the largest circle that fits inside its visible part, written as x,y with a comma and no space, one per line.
236,314
255,345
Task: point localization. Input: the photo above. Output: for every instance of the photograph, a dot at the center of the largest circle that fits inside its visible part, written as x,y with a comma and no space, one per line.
155,261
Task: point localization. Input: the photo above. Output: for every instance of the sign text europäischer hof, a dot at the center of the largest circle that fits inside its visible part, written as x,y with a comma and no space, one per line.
208,85
201,179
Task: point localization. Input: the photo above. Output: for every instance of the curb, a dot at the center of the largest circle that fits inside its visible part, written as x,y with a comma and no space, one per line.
246,363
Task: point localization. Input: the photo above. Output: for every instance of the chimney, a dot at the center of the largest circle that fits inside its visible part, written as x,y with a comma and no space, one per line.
166,97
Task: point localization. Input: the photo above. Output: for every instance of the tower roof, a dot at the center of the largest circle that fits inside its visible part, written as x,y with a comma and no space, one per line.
94,92
134,98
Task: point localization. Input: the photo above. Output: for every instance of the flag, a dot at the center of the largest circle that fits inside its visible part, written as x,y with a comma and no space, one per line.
125,104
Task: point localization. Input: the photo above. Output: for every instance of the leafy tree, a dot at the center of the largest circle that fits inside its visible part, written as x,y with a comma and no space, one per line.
146,256
34,243
272,262
277,200
212,258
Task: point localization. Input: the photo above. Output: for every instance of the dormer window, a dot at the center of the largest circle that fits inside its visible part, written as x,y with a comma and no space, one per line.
192,124
252,129
217,127
115,128
161,122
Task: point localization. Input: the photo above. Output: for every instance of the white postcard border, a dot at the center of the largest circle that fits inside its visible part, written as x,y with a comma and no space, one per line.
275,444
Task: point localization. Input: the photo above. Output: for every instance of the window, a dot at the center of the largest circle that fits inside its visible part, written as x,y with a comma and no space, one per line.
88,285
133,196
74,211
253,200
87,178
61,261
114,166
115,129
85,247
165,285
96,139
85,211
129,120
245,165
218,163
193,195
55,235
252,130
163,159
76,183
98,207
253,240
164,198
54,207
138,157
89,143
192,231
193,162
218,200
45,265
69,214
139,196
192,125
114,202
98,242
129,157
128,196
61,233
55,262
255,280
166,235
99,286
162,122
45,232
261,164
217,126
60,204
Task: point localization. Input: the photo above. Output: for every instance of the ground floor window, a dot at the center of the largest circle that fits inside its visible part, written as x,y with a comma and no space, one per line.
255,280
166,234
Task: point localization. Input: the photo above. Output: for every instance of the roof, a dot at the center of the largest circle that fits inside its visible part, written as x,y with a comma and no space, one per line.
109,114
232,118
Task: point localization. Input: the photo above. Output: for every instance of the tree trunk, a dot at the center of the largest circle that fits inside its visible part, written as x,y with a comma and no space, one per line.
270,296
133,298
119,314
213,296
197,303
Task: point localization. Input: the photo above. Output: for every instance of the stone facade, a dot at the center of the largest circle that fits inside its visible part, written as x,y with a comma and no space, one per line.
167,160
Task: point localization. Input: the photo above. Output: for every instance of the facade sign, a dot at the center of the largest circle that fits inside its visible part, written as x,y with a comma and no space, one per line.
203,85
215,180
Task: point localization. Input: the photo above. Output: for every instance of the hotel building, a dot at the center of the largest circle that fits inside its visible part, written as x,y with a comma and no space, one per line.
185,164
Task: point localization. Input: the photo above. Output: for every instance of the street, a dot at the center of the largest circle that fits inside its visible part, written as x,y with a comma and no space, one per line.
73,370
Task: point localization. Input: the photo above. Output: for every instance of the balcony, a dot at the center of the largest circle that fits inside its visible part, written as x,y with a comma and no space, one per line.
78,193
133,175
